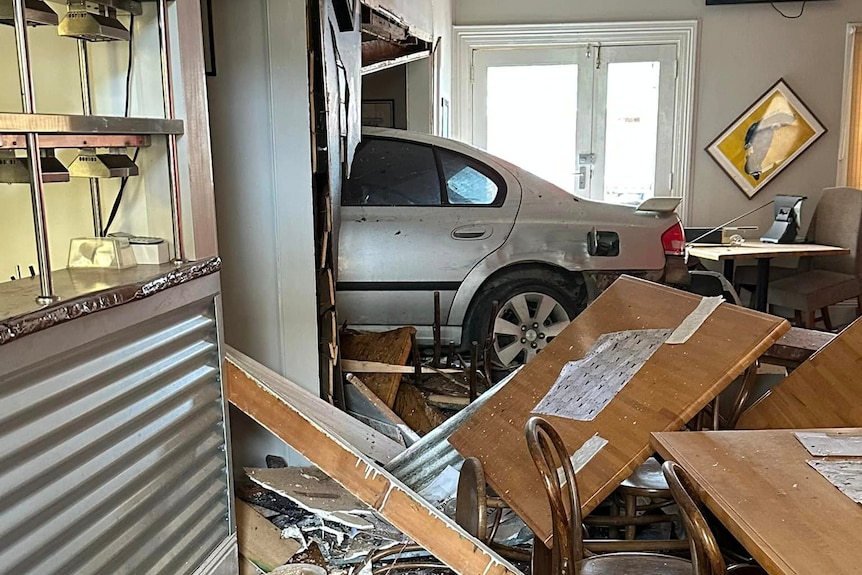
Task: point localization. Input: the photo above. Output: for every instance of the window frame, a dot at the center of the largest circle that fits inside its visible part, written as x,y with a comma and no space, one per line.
683,34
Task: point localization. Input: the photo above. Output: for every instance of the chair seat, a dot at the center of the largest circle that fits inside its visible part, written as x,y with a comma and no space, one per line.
747,275
648,479
813,290
634,564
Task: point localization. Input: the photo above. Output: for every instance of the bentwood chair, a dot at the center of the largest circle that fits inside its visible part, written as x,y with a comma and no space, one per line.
568,555
705,553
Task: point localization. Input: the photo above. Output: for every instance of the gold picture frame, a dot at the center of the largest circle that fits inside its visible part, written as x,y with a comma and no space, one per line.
766,138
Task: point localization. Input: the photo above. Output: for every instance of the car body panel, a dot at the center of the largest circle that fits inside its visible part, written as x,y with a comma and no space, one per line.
400,288
388,271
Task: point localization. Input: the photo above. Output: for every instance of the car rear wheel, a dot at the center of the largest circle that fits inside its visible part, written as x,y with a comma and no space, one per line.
534,306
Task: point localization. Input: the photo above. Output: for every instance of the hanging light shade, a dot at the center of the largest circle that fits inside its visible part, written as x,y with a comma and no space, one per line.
114,164
101,25
36,13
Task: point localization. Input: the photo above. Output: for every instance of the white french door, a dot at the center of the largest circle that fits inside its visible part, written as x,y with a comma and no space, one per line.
598,121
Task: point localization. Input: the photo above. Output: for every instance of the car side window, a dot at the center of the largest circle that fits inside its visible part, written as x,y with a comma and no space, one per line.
393,173
467,181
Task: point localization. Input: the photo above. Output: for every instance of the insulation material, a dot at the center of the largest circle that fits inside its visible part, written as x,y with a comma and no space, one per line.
695,320
831,444
585,387
845,474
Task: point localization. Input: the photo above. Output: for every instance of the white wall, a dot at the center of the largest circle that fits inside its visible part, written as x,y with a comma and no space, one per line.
744,49
259,110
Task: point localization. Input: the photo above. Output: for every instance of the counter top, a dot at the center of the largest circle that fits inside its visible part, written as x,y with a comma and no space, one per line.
87,291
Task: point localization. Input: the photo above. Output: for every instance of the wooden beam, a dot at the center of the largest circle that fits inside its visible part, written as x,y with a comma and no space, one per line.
413,408
391,347
298,418
358,366
369,442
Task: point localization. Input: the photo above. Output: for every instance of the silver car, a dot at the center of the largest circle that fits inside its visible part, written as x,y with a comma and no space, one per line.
422,214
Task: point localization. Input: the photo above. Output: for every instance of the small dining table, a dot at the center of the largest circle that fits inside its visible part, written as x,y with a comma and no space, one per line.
791,519
764,253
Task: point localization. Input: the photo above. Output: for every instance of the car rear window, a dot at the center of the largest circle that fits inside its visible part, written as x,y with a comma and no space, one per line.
393,173
467,182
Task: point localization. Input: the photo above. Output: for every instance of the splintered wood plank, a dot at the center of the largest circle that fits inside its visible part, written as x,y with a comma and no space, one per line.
414,409
299,419
760,486
371,443
260,541
390,347
673,385
825,391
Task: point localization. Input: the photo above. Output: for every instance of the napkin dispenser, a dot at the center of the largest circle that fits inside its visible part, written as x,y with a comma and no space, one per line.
788,213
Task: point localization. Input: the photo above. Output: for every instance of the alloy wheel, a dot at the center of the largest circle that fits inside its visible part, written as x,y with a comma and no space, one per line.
525,325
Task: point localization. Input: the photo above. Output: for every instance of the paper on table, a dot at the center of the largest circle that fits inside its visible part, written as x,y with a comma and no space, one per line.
695,319
585,387
845,474
830,444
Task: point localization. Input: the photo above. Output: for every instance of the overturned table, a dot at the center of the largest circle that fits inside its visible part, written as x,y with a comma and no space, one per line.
673,385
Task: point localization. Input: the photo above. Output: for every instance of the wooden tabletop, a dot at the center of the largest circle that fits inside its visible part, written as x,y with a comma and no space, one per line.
825,391
673,385
758,484
752,250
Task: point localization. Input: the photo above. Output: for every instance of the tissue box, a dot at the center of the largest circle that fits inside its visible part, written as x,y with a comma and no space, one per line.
105,253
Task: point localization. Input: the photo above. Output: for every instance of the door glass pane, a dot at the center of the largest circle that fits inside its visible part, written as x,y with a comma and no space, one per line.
632,131
466,184
393,173
532,119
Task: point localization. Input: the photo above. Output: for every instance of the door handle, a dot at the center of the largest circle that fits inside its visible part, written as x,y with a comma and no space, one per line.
471,233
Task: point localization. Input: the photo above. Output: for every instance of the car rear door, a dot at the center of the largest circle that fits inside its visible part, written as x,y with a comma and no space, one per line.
416,219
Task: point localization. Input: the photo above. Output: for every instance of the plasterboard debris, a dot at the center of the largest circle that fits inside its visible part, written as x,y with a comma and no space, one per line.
315,492
586,386
831,444
845,474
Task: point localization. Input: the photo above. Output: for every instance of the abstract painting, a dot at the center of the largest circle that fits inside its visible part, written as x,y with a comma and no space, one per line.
772,133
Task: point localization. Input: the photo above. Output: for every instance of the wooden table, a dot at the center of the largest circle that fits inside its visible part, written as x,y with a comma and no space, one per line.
763,253
674,384
758,484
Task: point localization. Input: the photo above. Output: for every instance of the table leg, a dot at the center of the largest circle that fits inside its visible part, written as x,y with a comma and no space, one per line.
762,283
729,270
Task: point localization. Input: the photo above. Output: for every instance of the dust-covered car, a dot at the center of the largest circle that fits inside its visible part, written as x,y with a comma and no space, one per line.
422,214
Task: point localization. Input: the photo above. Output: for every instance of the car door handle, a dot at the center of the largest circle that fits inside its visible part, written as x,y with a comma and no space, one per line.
471,232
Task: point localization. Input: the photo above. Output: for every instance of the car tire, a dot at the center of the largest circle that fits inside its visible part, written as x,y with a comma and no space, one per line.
523,296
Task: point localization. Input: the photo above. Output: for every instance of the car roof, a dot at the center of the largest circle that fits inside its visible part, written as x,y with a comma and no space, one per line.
423,139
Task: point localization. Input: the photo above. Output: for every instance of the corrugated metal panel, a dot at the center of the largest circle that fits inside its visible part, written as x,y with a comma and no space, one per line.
112,456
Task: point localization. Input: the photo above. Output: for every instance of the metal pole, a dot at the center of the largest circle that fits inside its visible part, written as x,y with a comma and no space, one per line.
437,339
37,193
95,193
170,113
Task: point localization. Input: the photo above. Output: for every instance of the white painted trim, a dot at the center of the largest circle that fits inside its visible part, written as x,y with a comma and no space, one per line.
684,34
224,560
846,102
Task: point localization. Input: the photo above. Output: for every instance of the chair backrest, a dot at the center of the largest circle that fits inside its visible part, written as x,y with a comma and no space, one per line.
838,222
705,554
552,460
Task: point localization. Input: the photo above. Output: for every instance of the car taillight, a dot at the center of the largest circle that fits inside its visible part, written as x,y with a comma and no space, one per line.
673,240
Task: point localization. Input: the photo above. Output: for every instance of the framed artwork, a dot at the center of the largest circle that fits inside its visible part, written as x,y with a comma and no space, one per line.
378,113
209,40
772,133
